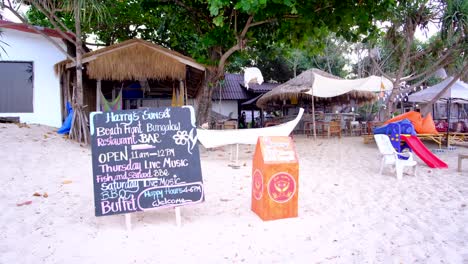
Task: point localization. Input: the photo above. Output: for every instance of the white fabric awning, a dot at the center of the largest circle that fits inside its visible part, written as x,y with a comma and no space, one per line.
329,87
459,90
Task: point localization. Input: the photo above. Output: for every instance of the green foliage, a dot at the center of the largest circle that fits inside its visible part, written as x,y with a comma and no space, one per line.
408,16
368,111
92,12
278,60
36,17
206,29
455,19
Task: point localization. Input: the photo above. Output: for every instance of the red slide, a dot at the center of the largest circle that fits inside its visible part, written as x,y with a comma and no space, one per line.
425,154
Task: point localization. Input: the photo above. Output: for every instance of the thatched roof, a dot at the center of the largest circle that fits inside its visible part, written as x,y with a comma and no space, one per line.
297,87
133,60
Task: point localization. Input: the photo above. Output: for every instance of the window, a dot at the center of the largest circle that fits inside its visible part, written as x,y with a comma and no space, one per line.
16,87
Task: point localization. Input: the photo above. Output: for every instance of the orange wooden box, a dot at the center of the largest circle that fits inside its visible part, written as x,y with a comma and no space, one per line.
275,174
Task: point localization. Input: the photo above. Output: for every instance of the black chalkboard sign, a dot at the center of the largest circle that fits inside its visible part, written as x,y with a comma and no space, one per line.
144,159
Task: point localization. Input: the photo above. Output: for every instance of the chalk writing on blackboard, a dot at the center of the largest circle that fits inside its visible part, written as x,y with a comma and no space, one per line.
145,159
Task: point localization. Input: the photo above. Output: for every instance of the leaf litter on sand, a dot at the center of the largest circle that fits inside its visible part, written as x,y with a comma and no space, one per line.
21,125
24,203
37,194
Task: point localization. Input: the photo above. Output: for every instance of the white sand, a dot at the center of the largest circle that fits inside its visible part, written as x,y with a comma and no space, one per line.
348,213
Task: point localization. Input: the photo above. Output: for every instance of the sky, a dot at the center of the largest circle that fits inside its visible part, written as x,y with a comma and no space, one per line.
9,16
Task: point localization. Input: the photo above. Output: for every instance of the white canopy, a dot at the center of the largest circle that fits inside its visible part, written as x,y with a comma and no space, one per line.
318,83
459,90
330,87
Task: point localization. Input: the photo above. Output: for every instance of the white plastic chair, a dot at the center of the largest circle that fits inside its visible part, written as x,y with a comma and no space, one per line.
355,129
391,157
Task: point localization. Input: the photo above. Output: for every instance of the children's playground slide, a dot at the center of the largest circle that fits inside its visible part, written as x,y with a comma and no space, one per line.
425,154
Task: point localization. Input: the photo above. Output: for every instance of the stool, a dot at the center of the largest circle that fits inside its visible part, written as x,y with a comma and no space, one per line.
460,158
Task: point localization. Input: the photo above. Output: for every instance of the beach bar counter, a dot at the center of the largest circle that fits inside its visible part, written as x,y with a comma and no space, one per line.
275,174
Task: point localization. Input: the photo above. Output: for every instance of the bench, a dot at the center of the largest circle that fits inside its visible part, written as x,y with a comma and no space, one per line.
460,158
368,138
437,138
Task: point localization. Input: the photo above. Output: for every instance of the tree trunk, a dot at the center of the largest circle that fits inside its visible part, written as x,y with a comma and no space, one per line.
213,75
79,128
204,101
390,104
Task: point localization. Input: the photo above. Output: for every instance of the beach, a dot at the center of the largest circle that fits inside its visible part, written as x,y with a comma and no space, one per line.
348,212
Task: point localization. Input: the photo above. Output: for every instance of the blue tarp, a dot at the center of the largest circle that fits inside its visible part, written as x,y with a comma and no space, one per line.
406,127
65,129
133,91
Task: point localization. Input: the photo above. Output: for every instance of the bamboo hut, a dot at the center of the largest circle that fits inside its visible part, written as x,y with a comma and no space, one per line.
148,74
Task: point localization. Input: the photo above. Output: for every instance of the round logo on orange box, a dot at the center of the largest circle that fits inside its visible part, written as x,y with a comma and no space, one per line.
281,187
257,188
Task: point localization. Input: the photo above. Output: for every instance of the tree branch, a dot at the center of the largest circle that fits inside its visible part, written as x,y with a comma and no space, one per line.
430,49
380,69
222,61
440,63
459,76
95,44
240,43
263,22
404,59
321,8
40,32
191,10
53,20
246,28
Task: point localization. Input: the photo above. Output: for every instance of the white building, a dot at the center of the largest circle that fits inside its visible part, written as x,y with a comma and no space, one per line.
29,88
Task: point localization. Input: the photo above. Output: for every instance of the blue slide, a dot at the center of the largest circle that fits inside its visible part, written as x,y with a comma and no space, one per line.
67,123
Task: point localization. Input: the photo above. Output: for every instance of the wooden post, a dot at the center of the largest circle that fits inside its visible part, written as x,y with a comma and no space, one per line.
128,222
181,95
185,93
448,122
313,111
237,154
178,218
98,95
234,164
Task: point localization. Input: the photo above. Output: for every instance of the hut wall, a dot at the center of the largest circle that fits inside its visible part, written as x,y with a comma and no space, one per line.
45,98
65,91
161,102
89,94
226,108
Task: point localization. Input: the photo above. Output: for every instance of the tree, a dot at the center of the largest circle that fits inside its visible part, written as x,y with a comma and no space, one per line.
231,26
295,21
78,10
410,64
212,31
